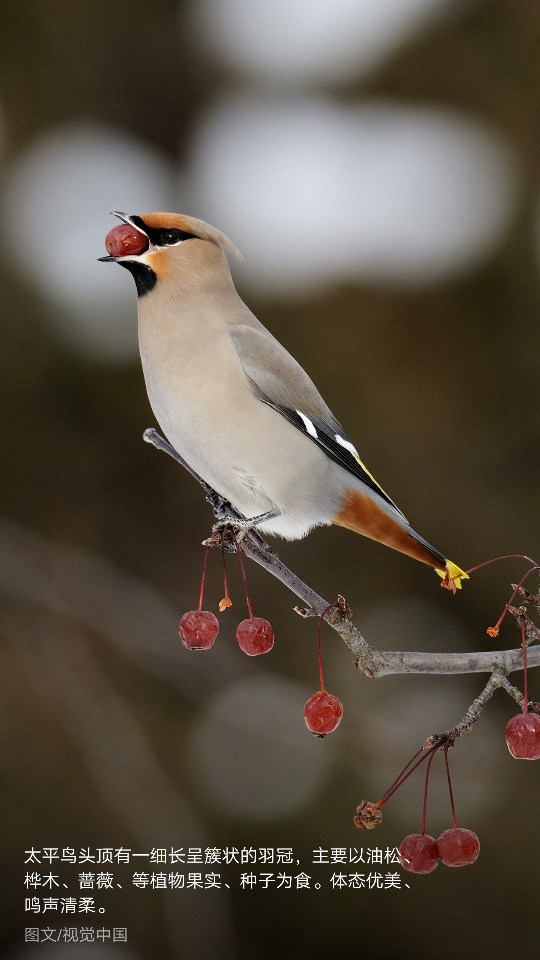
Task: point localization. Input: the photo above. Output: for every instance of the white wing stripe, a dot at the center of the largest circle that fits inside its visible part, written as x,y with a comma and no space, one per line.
347,445
310,428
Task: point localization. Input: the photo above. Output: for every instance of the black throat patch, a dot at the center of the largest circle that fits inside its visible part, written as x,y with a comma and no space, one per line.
143,275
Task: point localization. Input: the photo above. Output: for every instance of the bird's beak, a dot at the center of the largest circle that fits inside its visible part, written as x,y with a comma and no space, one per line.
126,219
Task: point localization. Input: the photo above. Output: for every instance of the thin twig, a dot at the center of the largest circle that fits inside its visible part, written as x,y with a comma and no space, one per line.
513,692
532,634
371,662
518,696
496,680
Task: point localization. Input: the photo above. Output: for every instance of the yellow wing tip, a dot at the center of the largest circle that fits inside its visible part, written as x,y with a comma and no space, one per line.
452,576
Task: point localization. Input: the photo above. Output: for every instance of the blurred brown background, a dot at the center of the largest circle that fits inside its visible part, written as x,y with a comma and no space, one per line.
377,164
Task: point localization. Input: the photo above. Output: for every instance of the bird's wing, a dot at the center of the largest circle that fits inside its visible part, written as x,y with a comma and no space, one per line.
279,381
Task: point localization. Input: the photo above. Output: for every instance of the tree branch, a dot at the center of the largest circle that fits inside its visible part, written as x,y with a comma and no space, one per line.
373,663
497,679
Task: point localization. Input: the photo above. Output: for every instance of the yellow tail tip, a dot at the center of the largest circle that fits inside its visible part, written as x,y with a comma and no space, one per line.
452,576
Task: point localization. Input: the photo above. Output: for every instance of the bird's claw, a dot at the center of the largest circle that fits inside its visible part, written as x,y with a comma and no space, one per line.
242,525
236,522
223,533
217,502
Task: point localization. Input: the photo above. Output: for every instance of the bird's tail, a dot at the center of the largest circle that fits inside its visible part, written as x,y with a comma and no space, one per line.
363,515
451,574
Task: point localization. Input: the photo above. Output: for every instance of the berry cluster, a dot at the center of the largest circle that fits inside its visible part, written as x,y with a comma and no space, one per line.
456,847
199,628
418,852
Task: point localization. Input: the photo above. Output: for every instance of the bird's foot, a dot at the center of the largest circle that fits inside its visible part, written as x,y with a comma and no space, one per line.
221,507
245,523
229,530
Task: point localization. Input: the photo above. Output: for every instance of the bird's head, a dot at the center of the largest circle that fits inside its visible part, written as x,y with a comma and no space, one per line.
157,247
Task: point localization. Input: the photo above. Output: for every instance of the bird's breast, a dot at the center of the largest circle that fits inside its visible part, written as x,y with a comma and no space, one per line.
203,402
243,448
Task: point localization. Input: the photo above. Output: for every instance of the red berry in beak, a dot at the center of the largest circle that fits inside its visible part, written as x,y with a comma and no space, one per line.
124,240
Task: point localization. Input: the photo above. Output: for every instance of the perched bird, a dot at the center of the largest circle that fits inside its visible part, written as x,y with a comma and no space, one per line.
236,405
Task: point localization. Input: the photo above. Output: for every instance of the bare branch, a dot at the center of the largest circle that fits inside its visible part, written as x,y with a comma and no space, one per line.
371,662
497,679
513,691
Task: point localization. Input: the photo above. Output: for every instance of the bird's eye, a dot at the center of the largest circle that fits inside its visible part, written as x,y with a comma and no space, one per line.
166,239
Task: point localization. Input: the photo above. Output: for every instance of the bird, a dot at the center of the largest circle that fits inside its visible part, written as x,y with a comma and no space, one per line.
236,405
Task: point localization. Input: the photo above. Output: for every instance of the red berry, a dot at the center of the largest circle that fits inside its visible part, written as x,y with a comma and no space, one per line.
124,240
198,629
255,636
523,736
322,713
418,853
457,847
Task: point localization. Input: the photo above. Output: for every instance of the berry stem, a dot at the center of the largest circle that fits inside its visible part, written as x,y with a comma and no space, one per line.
386,796
203,578
226,600
509,556
403,776
430,761
446,746
524,645
321,618
244,578
494,630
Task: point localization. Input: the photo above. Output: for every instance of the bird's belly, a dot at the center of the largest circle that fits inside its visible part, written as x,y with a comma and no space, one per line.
245,459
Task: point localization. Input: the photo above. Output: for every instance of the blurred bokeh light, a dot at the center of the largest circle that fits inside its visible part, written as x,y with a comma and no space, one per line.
314,192
250,755
55,195
305,41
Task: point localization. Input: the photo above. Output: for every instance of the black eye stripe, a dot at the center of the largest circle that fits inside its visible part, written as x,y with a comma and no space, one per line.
162,237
